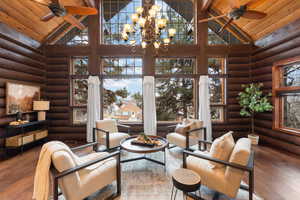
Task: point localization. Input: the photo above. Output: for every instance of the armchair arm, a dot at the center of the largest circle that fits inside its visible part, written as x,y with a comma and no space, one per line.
204,142
196,129
125,126
234,165
171,127
84,146
79,167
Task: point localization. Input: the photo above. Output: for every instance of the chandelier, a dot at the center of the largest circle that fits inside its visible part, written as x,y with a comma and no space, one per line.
153,31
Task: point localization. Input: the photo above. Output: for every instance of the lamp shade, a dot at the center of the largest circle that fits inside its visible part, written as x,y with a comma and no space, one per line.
41,105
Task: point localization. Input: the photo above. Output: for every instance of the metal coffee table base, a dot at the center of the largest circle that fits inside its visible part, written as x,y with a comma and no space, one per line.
146,158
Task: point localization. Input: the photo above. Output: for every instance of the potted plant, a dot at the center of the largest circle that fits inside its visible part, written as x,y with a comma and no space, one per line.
252,100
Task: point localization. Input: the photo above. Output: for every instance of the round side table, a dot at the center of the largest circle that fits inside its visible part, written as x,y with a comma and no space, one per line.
185,180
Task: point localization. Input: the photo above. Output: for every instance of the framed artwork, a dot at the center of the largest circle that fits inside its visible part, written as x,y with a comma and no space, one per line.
20,97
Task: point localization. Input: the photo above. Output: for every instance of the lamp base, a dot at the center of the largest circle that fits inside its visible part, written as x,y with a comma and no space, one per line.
41,115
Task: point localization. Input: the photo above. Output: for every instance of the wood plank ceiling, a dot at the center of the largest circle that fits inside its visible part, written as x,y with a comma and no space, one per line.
24,16
280,13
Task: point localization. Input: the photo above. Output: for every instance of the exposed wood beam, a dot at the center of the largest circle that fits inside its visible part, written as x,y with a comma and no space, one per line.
206,4
90,3
232,28
60,32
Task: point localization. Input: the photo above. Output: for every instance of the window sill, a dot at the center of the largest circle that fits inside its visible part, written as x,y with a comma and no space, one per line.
288,131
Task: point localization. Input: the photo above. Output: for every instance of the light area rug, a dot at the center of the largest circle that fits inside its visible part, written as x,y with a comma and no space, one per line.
145,180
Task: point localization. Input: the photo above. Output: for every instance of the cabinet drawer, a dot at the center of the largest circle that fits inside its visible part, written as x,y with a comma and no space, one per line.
19,140
41,134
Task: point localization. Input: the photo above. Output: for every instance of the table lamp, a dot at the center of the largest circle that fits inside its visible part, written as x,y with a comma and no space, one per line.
41,106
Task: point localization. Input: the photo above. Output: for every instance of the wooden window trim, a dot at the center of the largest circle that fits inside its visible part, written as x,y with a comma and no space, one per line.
277,90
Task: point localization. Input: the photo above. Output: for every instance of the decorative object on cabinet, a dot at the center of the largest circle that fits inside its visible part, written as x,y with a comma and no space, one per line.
41,106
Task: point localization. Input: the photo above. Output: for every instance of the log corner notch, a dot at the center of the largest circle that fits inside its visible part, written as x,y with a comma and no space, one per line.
206,4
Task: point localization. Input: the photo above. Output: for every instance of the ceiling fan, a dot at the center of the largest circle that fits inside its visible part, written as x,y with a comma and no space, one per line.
67,12
237,11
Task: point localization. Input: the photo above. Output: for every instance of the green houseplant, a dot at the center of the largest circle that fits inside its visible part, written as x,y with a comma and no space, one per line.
252,100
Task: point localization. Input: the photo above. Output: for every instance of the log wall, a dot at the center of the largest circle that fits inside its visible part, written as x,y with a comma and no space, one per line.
20,61
282,44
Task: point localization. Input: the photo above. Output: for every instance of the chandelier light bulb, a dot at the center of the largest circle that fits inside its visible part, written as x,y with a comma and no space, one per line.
124,36
152,13
144,44
167,41
139,10
172,32
135,18
156,8
156,45
127,28
161,23
142,22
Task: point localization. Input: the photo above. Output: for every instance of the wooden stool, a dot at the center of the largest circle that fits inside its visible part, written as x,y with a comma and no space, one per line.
185,180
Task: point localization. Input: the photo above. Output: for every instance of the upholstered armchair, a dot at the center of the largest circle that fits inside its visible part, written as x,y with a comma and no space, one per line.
107,133
80,181
223,174
186,134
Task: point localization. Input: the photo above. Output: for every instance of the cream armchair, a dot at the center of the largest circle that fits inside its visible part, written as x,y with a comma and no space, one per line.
186,134
79,181
107,133
227,176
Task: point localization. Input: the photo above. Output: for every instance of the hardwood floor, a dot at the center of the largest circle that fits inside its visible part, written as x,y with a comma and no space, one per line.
277,175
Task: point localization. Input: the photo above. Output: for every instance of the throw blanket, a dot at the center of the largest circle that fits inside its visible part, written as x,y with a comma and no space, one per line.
42,173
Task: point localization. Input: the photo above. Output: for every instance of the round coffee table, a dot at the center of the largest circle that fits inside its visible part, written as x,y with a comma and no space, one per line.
187,181
126,145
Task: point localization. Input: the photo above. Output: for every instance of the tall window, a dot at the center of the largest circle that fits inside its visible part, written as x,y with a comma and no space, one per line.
79,72
180,16
286,95
175,88
122,89
217,73
116,13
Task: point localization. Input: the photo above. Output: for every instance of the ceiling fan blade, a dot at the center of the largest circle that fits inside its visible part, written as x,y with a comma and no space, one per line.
252,14
212,18
79,10
72,20
47,17
225,25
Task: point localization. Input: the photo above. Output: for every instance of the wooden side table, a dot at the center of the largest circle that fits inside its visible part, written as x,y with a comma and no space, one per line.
187,181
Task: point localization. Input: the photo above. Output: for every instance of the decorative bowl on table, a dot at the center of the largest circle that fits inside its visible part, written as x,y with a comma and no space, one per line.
144,140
